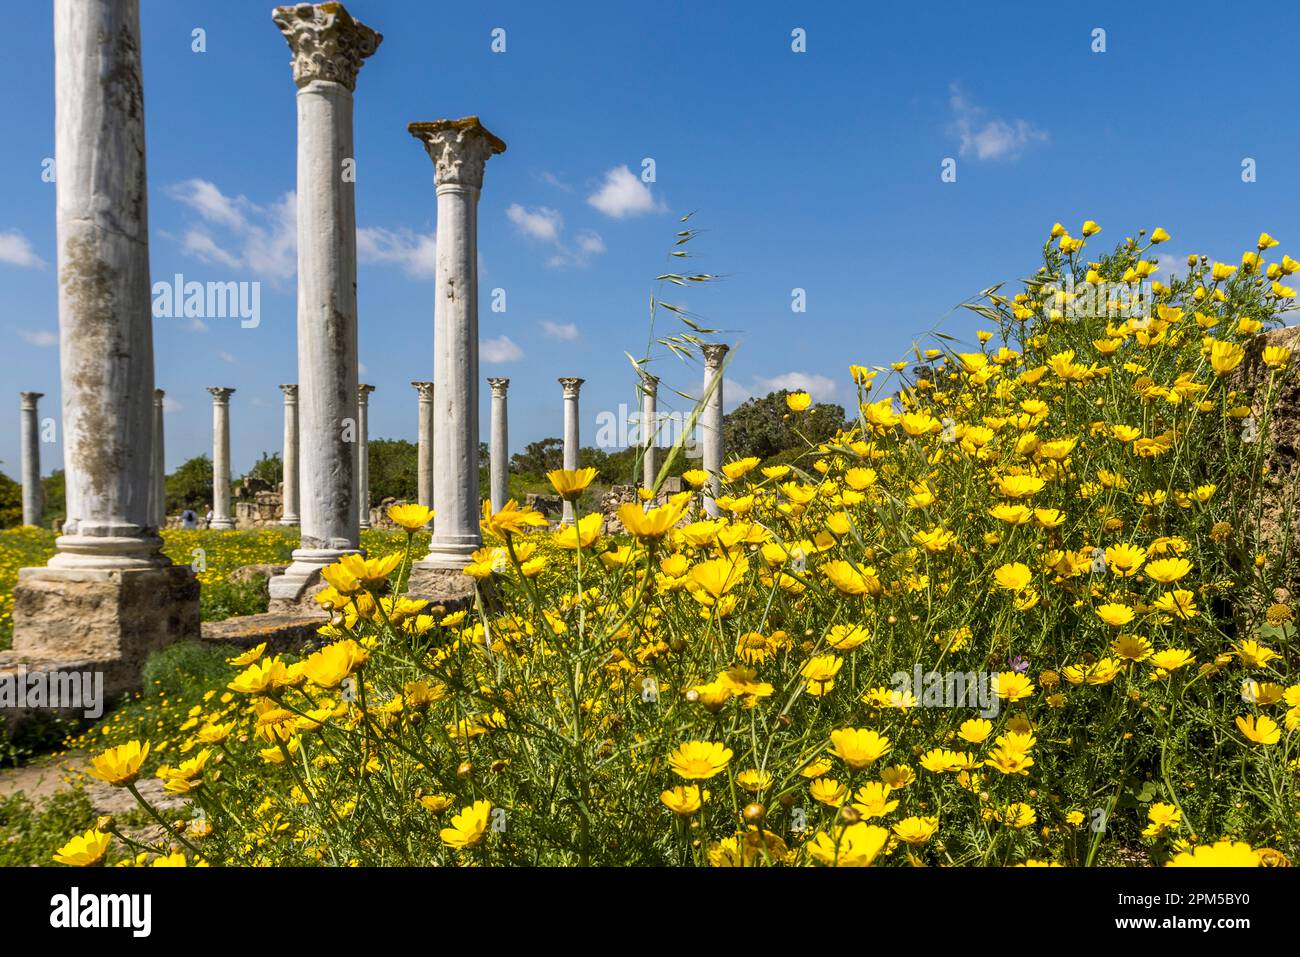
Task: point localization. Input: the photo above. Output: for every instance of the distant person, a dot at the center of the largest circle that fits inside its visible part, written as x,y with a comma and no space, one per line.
207,522
189,519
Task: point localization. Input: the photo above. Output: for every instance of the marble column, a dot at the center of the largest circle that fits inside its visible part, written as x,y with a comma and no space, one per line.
289,461
460,150
109,555
649,429
499,451
222,517
159,462
30,436
571,440
329,48
363,452
711,423
424,467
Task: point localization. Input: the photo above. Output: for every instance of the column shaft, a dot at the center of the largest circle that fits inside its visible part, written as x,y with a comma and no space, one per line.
363,453
424,495
571,436
711,424
289,486
222,516
30,436
499,452
649,430
159,462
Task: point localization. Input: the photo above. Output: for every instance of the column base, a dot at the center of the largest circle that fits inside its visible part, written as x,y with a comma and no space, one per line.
223,524
302,579
451,556
289,520
113,616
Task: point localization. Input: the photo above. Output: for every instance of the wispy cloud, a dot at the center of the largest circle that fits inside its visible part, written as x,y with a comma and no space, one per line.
15,250
540,222
564,331
985,137
821,388
415,252
500,349
237,233
39,337
623,194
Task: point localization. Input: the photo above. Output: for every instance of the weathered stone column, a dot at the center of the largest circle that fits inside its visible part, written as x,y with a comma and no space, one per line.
289,461
222,518
425,466
328,47
363,452
108,596
30,435
571,387
499,451
159,461
649,429
711,423
460,150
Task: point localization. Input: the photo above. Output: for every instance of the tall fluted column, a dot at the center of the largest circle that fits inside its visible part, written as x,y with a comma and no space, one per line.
289,460
424,471
328,47
30,435
711,423
499,451
109,556
222,518
571,387
159,461
460,150
363,452
649,429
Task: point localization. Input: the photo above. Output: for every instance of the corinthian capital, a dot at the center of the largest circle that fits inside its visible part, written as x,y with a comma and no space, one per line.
571,386
459,149
327,43
714,353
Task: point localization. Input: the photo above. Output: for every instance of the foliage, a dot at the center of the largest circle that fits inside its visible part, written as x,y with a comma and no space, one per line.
190,486
765,427
394,470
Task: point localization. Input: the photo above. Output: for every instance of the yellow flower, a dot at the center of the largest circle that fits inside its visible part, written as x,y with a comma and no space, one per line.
1180,603
1261,730
1158,235
656,523
571,483
1171,659
684,800
798,401
699,760
410,517
84,850
1225,356
1020,486
583,533
718,576
437,803
1125,560
1013,576
916,830
857,747
1223,853
1115,614
1166,571
857,845
1012,685
120,765
1254,655
739,468
512,520
695,477
467,827
329,666
975,730
828,791
1161,819
851,580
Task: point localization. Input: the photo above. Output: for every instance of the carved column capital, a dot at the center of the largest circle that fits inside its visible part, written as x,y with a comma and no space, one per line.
327,43
425,389
499,386
220,396
459,149
571,386
714,353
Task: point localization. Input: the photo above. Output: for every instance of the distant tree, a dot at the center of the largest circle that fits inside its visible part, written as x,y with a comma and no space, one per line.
539,457
55,487
11,502
190,486
268,469
766,427
394,470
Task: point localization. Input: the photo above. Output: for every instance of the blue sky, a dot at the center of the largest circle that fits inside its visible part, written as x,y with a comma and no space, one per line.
817,170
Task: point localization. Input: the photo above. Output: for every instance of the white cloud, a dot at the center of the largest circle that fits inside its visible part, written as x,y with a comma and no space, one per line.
501,349
198,325
623,194
260,239
540,222
586,246
39,337
820,387
17,251
226,357
170,405
415,252
553,180
564,331
985,137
